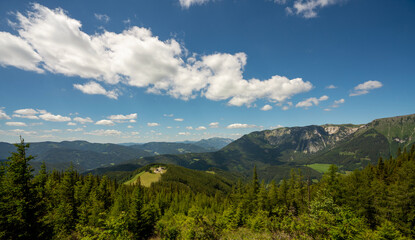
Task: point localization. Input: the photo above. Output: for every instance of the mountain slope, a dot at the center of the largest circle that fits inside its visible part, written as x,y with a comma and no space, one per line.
275,152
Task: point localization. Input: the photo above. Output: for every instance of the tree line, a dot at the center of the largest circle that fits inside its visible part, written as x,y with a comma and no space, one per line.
377,202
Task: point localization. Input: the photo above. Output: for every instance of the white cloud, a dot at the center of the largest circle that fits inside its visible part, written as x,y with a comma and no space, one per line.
71,124
188,3
240,125
179,119
102,132
168,115
23,132
26,116
75,130
276,127
214,125
83,120
52,130
153,124
137,58
102,17
131,116
129,126
364,88
95,88
336,104
189,127
16,124
14,51
266,107
3,115
26,113
308,8
132,121
135,133
105,122
184,133
311,101
227,82
331,87
201,128
54,118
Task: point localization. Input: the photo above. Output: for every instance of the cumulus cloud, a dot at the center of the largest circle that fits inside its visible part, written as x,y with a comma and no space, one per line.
266,107
105,122
3,115
214,125
184,133
52,130
95,88
365,87
26,113
311,101
123,117
337,103
75,130
188,3
15,51
201,128
102,17
307,8
168,115
189,127
102,132
83,120
23,132
331,87
129,126
71,124
179,119
153,124
54,118
240,125
136,58
16,124
276,127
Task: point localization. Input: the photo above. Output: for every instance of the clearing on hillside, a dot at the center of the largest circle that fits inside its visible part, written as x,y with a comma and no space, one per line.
147,178
320,167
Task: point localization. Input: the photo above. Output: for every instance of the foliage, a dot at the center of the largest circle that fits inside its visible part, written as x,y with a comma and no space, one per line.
377,202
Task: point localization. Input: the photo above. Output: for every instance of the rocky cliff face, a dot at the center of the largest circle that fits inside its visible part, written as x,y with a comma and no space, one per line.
309,139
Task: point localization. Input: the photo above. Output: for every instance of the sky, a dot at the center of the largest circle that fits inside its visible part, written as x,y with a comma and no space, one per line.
175,70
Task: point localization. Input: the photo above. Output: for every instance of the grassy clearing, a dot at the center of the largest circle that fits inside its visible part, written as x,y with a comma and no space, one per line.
320,167
146,179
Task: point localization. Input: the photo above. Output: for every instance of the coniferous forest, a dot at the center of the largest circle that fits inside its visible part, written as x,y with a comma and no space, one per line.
377,202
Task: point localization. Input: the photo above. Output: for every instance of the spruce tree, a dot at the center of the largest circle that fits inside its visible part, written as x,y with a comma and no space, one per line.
19,210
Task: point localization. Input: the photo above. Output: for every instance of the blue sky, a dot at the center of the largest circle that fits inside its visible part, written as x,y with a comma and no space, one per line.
140,71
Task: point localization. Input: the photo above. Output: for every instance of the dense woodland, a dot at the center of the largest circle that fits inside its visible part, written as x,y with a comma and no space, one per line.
377,202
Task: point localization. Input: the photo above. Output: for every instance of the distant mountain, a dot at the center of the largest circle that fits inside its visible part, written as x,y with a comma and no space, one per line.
213,144
82,154
86,156
204,145
275,152
157,148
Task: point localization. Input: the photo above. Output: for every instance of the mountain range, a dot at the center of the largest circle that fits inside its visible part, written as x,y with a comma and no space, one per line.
275,152
87,156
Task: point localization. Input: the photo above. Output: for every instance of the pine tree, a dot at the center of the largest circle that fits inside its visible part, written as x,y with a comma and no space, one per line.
19,210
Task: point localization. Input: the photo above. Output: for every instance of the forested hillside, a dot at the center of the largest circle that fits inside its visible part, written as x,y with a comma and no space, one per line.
275,152
377,202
